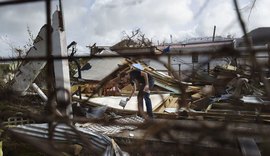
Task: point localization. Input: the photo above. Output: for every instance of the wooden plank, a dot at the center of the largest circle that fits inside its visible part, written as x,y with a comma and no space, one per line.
170,102
162,102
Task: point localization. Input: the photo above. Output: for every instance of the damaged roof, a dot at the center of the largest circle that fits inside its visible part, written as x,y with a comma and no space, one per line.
101,67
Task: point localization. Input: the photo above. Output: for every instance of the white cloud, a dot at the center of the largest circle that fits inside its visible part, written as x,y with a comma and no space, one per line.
109,18
14,22
216,14
103,21
259,15
5,51
223,15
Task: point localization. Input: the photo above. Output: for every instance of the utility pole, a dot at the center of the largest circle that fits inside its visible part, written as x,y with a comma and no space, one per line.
214,34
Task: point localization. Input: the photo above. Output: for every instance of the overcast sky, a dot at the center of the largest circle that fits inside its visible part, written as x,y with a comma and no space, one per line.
103,21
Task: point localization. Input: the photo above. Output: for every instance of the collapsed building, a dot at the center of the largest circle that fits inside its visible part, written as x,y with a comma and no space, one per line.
201,106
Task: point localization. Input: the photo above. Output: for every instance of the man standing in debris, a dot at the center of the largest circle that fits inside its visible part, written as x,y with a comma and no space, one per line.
144,82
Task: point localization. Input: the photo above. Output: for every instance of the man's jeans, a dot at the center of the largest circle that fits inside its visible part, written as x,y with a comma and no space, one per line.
146,96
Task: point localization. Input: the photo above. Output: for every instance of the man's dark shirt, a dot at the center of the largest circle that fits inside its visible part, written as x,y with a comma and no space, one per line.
136,75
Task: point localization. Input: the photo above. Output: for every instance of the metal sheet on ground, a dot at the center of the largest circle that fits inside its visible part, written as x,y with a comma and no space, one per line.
113,101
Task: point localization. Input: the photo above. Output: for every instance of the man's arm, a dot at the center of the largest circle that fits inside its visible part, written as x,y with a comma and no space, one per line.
133,91
146,87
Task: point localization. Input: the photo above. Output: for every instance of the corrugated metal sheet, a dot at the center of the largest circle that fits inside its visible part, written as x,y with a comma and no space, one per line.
64,133
111,129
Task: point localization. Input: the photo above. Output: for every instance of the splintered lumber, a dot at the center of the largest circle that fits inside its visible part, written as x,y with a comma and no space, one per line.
170,102
212,137
164,99
229,106
238,105
200,104
163,80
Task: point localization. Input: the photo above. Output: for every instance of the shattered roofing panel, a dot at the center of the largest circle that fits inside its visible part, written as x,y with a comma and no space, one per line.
101,67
